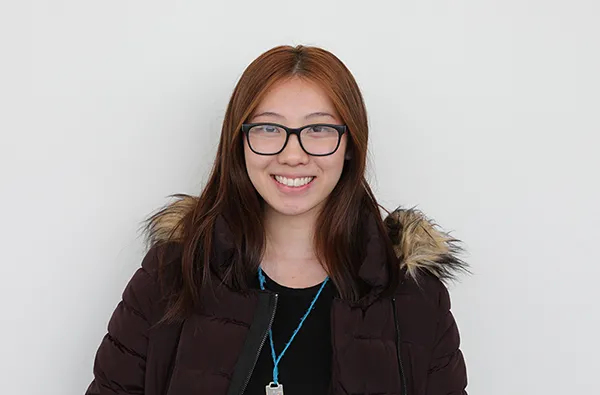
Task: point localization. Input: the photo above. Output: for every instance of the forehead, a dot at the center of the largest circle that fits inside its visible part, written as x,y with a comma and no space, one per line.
294,99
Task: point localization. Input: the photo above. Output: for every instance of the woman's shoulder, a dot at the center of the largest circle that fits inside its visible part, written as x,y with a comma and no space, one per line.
425,293
429,257
145,294
163,236
159,257
422,302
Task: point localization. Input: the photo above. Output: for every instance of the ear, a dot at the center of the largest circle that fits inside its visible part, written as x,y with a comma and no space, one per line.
348,155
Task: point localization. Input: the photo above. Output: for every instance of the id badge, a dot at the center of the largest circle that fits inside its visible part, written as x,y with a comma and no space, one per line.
274,389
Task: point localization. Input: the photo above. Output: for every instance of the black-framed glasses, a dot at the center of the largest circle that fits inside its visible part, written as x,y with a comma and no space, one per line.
320,139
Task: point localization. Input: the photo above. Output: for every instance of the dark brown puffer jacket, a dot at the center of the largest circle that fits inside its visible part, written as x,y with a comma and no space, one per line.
407,343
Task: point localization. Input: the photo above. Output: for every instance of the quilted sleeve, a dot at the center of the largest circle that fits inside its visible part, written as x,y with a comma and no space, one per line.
447,371
120,362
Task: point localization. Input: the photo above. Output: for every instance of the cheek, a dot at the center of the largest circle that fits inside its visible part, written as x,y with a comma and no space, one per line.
333,165
255,164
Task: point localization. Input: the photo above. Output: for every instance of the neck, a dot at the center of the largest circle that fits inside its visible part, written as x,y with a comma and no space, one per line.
290,258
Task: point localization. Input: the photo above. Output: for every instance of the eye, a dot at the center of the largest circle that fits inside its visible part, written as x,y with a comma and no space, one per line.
265,129
268,129
321,130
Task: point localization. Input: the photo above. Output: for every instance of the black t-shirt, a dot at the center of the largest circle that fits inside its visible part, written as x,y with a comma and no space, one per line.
305,368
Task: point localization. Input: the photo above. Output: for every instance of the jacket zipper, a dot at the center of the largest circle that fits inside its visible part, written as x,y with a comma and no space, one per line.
262,343
398,339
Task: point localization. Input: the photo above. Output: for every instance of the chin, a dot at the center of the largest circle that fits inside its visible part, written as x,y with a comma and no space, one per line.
292,209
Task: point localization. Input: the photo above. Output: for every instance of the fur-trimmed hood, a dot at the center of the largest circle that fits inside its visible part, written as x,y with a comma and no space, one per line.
420,244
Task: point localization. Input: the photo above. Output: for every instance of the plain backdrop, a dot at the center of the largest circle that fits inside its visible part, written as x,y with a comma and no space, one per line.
483,113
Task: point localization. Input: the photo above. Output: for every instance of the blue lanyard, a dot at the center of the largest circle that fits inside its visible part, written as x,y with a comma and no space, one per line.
276,359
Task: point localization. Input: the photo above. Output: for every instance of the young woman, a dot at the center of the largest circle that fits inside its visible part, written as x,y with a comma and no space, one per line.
282,276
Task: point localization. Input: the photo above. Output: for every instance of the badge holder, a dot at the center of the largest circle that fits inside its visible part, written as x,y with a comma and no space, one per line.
274,389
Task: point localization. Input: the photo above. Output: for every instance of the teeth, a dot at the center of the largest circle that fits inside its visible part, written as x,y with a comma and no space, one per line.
293,182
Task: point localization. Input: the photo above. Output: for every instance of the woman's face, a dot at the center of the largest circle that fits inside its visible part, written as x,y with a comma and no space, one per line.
280,179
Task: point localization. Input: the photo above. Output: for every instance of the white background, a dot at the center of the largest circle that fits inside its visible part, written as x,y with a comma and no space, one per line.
484,114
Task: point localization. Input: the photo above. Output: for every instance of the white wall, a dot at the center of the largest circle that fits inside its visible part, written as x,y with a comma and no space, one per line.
484,113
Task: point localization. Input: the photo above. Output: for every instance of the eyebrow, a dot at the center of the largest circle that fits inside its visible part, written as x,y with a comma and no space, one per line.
276,115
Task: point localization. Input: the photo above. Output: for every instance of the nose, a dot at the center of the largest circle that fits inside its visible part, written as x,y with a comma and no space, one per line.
293,154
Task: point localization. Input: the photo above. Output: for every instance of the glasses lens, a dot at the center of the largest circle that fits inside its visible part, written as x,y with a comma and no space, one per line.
320,139
266,139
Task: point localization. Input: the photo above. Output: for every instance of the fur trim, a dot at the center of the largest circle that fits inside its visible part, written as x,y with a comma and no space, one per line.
165,225
422,246
418,242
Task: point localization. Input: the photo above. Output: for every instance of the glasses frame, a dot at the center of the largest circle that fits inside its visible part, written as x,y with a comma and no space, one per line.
341,129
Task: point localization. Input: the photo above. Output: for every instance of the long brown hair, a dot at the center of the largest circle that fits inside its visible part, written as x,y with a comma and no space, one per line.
229,193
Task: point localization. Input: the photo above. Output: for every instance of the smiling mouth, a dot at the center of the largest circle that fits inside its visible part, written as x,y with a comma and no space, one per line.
293,182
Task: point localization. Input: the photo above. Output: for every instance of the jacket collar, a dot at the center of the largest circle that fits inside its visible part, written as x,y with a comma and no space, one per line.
419,244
